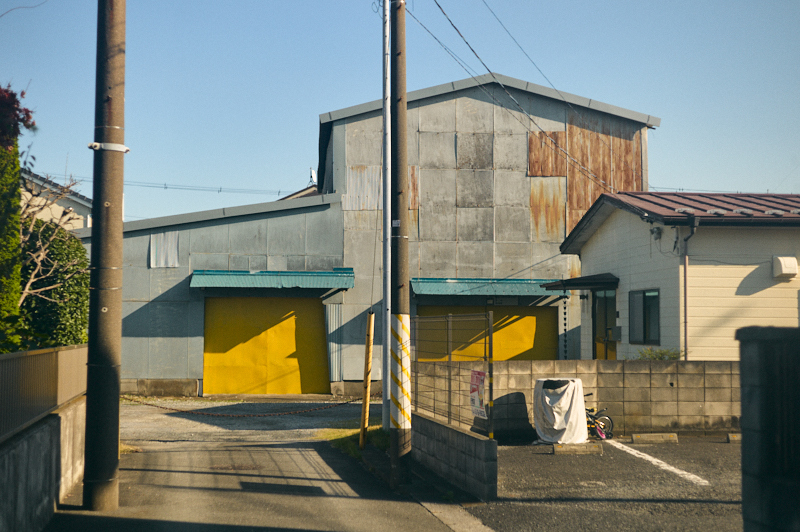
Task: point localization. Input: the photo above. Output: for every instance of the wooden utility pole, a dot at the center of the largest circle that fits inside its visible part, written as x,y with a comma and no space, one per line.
101,475
362,440
400,388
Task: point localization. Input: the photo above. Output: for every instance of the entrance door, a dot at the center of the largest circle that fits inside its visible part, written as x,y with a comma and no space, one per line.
258,345
604,319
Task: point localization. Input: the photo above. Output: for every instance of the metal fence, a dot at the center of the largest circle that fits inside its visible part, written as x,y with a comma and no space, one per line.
34,383
452,368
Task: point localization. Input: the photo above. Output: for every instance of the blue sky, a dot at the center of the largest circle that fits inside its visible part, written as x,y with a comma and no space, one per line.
228,94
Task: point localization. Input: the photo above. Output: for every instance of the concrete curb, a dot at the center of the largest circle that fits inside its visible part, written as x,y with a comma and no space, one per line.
578,448
664,437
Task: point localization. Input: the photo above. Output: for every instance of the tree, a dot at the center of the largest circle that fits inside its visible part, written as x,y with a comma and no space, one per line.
13,117
44,284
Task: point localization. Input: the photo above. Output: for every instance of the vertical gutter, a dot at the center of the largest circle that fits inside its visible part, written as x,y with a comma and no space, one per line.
693,223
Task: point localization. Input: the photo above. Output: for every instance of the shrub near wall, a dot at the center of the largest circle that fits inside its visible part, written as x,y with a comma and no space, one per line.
641,395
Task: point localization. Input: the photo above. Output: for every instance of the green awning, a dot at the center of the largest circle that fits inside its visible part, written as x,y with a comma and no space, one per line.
341,278
480,287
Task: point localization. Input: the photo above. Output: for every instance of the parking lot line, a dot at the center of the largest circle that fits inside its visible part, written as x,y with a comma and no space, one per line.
658,463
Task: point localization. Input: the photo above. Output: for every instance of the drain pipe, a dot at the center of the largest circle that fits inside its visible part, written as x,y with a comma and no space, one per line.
693,223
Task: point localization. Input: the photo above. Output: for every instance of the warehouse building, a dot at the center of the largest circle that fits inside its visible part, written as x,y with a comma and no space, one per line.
273,297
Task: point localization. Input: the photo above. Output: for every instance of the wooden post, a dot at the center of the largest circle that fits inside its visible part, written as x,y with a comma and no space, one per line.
362,441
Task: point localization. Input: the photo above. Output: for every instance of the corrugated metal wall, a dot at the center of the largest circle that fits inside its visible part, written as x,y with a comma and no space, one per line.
333,324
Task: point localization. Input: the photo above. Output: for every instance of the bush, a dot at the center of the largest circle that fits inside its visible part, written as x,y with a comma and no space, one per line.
61,317
658,353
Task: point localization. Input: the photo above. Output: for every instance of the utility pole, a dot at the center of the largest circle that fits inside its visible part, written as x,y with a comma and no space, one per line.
400,431
101,476
386,316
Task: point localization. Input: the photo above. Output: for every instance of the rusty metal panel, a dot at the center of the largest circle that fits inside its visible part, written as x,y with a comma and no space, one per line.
364,189
413,188
545,159
548,209
627,148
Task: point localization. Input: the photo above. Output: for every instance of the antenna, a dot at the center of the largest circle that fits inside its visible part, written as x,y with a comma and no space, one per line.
312,180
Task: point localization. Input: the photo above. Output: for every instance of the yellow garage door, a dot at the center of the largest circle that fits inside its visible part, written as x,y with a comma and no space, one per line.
520,333
265,345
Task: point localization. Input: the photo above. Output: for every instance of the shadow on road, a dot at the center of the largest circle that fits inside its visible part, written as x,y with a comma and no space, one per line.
62,522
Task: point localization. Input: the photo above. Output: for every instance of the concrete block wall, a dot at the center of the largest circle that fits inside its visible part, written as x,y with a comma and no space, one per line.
40,465
640,395
464,458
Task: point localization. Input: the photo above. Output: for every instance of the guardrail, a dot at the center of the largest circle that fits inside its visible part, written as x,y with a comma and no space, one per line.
34,383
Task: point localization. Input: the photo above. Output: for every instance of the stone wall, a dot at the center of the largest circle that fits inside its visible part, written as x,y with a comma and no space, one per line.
464,458
640,395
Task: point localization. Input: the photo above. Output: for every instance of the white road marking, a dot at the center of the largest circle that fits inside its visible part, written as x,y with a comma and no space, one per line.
658,463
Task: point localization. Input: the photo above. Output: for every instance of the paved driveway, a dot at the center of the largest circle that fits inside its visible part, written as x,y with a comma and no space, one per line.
695,485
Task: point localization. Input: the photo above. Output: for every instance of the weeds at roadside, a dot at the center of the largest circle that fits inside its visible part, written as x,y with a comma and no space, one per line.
345,436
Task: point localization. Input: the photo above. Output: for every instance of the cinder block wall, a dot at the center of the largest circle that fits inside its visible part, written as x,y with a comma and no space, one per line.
466,459
640,395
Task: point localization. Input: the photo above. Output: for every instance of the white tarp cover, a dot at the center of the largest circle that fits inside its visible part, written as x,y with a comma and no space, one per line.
560,414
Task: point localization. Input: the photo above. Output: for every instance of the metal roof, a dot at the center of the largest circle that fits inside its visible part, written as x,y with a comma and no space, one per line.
688,208
286,204
341,278
43,181
480,287
601,281
326,119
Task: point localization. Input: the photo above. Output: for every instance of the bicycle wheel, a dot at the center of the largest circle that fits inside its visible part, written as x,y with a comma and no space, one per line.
605,423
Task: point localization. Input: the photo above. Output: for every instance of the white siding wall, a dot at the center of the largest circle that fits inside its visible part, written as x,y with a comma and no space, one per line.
731,286
624,247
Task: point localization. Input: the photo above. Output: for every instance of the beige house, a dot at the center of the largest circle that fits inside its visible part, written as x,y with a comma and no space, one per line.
684,271
52,200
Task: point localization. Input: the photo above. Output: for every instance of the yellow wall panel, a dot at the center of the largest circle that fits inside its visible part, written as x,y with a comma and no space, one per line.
520,333
265,346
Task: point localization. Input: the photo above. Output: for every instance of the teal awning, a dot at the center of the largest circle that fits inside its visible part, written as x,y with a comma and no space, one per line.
342,278
480,287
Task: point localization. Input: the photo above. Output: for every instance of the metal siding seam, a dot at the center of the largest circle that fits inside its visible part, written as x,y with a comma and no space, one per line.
333,316
400,413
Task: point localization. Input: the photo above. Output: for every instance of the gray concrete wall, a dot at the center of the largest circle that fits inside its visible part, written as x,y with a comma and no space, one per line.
640,395
163,318
40,466
466,459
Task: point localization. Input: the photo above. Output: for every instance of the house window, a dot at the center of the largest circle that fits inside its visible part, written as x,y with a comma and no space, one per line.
643,312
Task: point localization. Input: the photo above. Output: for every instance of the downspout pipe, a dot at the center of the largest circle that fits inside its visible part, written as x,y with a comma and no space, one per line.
693,223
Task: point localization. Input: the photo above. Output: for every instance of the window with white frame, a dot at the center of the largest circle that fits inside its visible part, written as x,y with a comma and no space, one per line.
643,317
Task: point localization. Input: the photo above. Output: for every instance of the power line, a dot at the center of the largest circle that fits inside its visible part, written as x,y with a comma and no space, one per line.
555,146
580,115
194,188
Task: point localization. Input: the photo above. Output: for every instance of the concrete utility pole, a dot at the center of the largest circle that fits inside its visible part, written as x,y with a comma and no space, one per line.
101,482
400,431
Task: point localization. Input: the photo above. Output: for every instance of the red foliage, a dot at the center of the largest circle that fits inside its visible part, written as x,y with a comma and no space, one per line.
13,115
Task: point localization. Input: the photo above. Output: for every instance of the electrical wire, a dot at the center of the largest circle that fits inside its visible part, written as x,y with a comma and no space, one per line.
573,109
555,147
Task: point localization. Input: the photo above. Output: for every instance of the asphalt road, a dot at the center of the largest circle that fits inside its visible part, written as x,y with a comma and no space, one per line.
618,491
204,473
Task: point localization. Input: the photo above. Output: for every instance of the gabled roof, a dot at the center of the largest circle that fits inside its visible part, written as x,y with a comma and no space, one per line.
326,119
688,208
